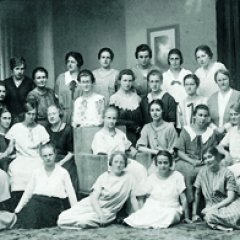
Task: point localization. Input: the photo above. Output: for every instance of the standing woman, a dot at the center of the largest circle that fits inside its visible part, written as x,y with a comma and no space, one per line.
61,135
193,140
207,69
42,94
106,77
66,88
127,102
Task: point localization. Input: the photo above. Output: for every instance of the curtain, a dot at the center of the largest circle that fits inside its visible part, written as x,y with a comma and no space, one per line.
228,37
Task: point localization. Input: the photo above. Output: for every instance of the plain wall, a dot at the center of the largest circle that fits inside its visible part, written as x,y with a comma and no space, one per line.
196,19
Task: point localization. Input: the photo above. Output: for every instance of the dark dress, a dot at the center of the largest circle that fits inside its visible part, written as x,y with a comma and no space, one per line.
3,146
63,141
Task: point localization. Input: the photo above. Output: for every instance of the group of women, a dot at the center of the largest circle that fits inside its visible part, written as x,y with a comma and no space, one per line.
184,120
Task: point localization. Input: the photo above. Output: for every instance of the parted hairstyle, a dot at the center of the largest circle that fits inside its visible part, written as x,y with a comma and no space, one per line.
143,48
214,151
126,72
17,61
194,77
155,72
114,154
106,49
205,49
77,56
177,52
156,101
166,154
39,69
3,110
86,72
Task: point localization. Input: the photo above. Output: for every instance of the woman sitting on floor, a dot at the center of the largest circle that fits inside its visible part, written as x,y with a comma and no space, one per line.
43,199
164,188
218,186
110,192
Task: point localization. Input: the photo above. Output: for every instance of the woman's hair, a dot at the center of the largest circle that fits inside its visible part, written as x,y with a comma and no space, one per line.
214,151
59,108
194,77
17,61
166,154
177,52
29,105
39,69
86,72
126,72
205,49
106,49
202,107
143,48
236,107
112,156
77,56
155,72
2,83
110,108
3,110
222,71
47,145
158,102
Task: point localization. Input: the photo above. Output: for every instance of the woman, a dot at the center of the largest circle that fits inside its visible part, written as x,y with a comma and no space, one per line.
42,94
173,77
66,87
106,77
164,188
218,186
127,102
219,103
206,71
2,95
61,135
110,192
193,140
185,108
43,199
88,108
25,137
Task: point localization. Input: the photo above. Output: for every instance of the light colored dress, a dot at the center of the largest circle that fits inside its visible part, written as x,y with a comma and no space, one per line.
88,111
175,87
162,208
27,141
115,190
208,85
4,186
214,186
105,82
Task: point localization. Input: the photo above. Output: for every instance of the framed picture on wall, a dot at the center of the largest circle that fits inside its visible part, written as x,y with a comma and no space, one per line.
161,40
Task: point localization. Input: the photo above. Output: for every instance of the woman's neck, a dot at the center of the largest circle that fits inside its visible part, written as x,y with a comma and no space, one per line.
87,94
105,69
192,97
157,123
49,169
224,92
129,92
3,130
74,74
56,126
164,175
109,130
41,90
207,67
175,71
156,93
29,125
199,129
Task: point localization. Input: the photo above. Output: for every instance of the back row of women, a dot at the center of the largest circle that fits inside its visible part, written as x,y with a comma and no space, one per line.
144,104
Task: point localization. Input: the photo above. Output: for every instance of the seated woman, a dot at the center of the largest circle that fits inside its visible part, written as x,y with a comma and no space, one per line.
164,188
43,199
42,94
26,138
193,140
110,192
154,79
88,108
61,135
185,108
217,184
127,102
106,77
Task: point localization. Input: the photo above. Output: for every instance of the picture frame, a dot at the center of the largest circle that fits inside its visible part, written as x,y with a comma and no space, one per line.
161,40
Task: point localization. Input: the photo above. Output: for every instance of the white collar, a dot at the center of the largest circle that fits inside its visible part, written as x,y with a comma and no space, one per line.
159,96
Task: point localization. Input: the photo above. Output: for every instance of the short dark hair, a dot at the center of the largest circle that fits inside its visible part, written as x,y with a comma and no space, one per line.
156,101
194,77
86,72
2,83
47,145
143,48
17,61
106,49
39,69
124,156
166,154
77,56
205,49
30,104
3,110
126,72
202,107
155,72
214,151
177,52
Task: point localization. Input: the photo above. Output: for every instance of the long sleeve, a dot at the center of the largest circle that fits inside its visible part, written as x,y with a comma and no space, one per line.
70,190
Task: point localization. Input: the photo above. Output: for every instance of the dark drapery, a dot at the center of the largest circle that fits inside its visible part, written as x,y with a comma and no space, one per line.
228,37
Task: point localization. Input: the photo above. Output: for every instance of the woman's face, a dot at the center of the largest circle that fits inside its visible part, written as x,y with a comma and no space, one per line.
210,160
156,112
143,58
40,79
223,82
190,87
201,118
5,120
48,156
72,64
53,115
174,60
105,59
234,117
126,82
203,58
30,116
86,83
118,165
2,93
163,164
155,83
110,119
